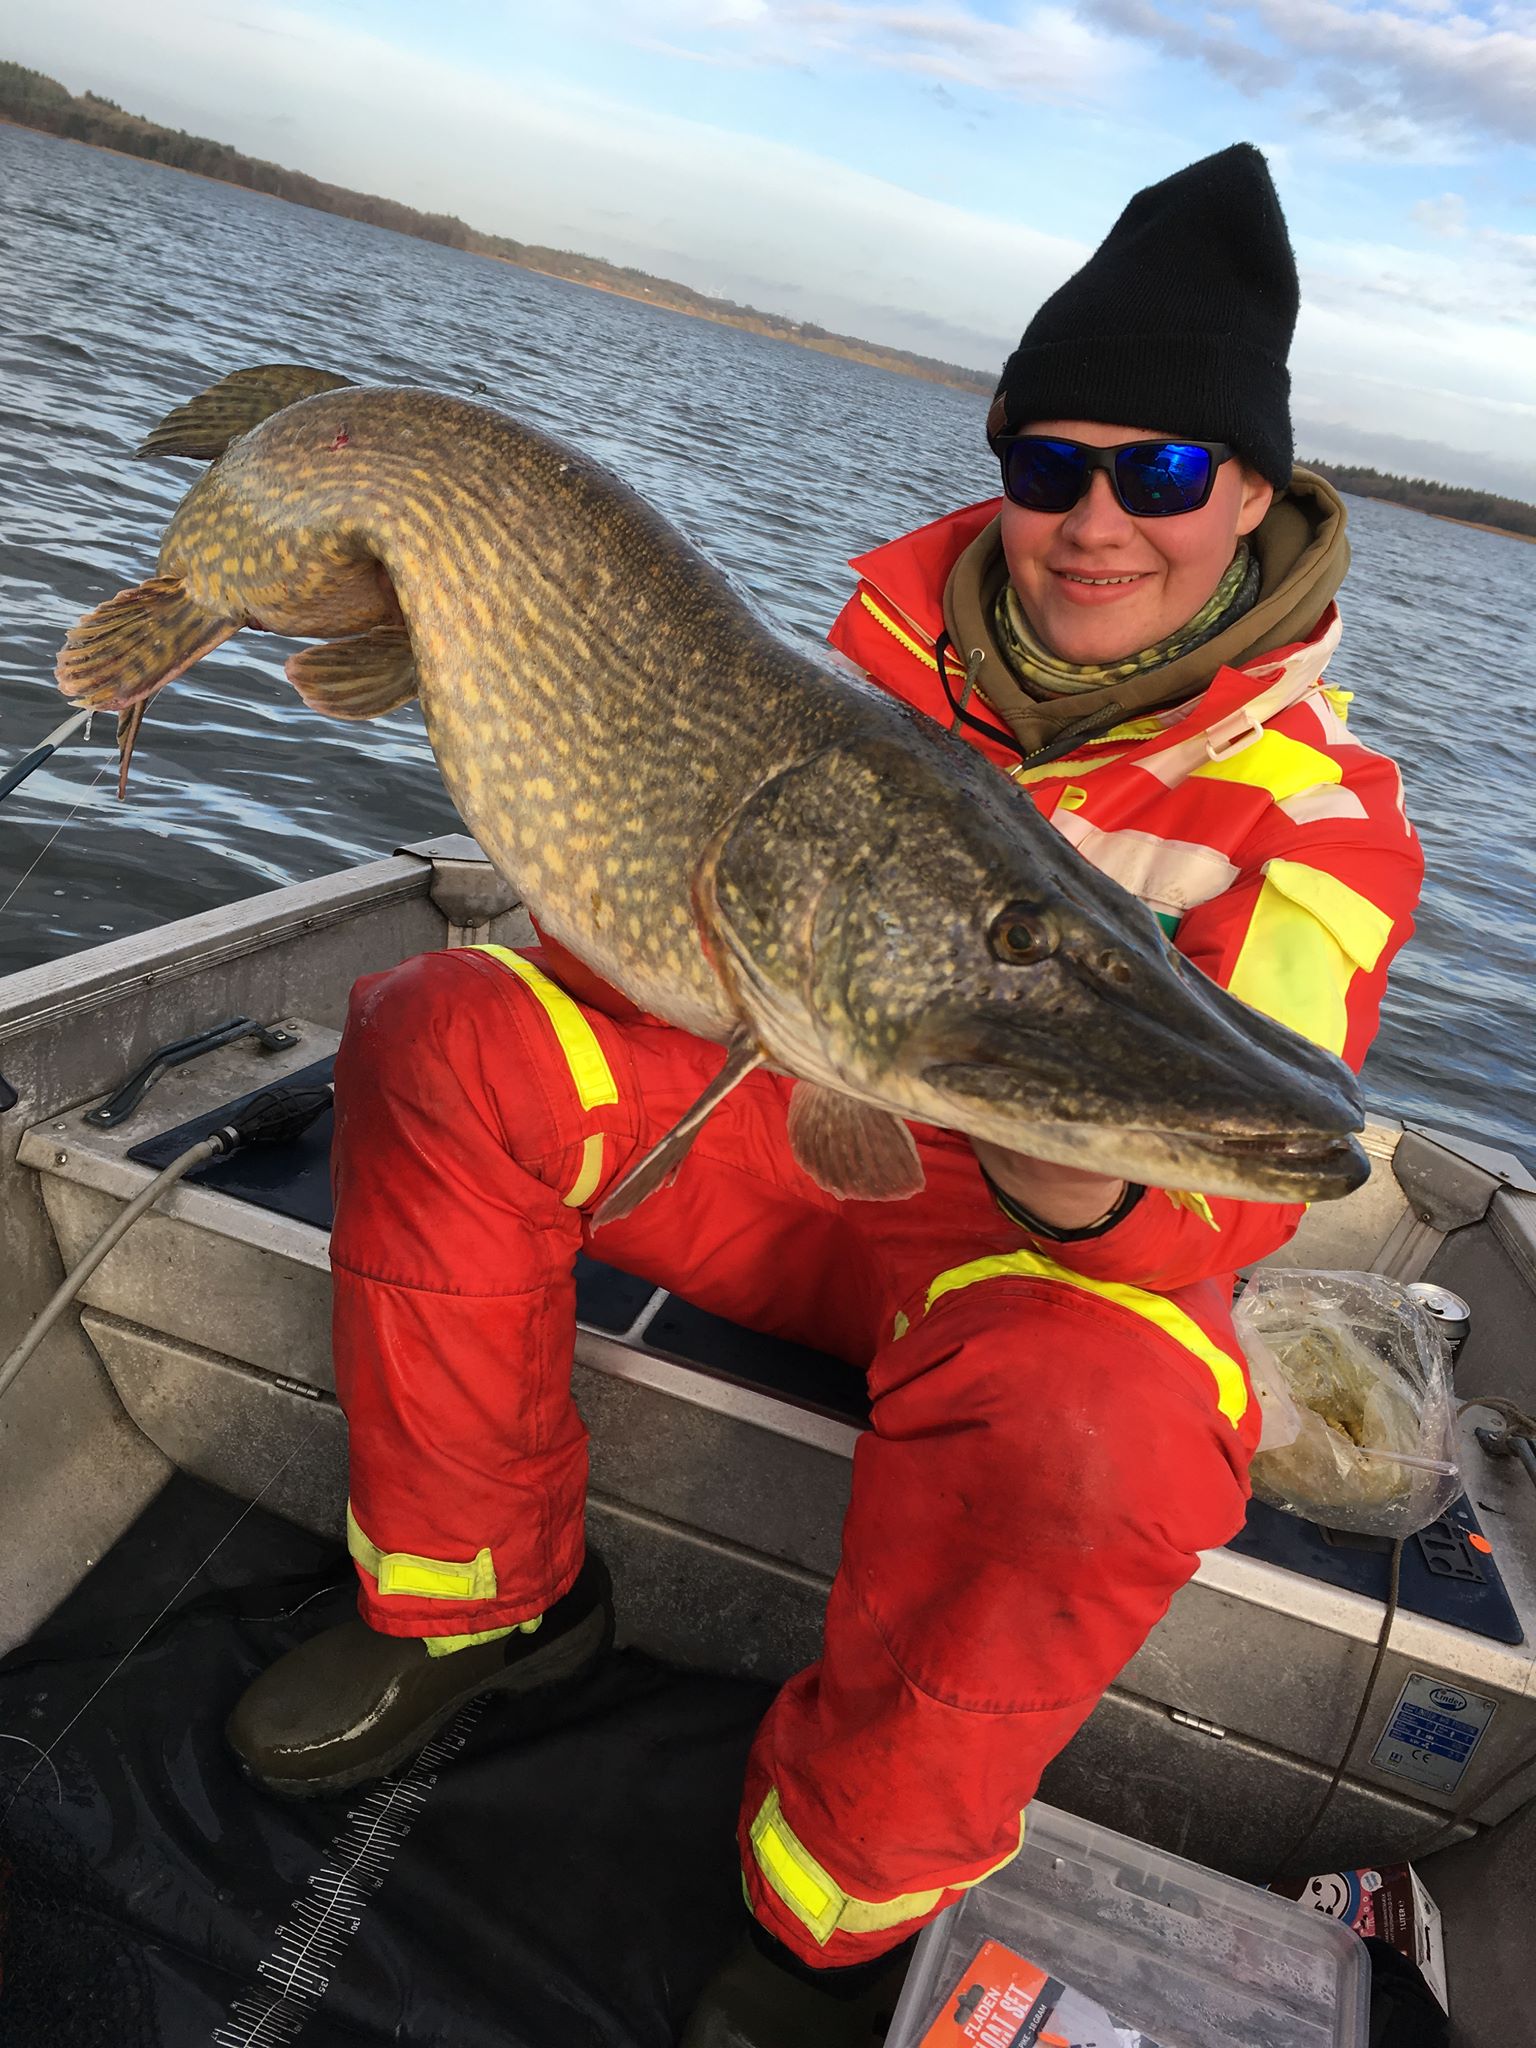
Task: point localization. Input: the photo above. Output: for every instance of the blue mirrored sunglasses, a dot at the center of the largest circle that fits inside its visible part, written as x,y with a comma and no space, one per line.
1151,479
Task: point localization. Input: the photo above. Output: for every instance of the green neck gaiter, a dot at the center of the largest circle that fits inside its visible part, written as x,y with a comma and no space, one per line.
1044,674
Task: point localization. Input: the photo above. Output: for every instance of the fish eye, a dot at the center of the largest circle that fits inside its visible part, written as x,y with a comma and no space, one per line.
1021,935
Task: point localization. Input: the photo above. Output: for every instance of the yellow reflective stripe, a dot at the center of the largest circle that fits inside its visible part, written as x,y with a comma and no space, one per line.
435,1578
444,1646
1197,1205
897,632
578,1041
1360,928
591,1172
816,1899
1282,766
1167,1316
1292,968
1053,771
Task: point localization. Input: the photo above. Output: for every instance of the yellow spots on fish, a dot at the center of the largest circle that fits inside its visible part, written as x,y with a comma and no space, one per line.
706,771
248,565
541,787
554,858
872,1014
583,810
633,926
484,616
230,566
613,866
587,880
556,821
529,836
211,552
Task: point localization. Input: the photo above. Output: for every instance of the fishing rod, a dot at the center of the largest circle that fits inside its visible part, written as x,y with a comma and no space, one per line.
14,777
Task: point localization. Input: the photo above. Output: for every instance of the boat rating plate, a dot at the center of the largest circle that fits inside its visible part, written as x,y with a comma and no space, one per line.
1432,1732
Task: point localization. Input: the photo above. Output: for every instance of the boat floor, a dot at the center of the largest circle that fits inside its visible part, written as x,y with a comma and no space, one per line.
571,1875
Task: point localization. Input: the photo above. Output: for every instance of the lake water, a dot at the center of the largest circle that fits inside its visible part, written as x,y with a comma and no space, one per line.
125,287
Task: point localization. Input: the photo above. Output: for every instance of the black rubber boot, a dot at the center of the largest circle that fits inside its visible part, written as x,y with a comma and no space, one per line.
350,1704
765,1997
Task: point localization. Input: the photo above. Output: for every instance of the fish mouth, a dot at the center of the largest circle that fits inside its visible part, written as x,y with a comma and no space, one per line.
1288,1165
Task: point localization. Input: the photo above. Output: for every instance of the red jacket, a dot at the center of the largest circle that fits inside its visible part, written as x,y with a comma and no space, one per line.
1272,846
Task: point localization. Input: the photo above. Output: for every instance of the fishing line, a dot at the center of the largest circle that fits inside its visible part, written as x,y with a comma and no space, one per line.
46,1755
102,770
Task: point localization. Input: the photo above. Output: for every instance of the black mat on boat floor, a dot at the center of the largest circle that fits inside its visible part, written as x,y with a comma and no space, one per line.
524,1886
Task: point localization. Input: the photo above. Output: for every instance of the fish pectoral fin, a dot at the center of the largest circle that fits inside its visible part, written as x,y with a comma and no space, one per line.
371,673
135,643
853,1151
662,1161
204,427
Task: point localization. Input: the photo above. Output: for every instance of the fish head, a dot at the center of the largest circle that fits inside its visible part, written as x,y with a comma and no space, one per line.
901,923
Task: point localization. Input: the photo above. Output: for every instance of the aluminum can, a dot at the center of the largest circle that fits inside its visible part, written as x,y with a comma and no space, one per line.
1447,1311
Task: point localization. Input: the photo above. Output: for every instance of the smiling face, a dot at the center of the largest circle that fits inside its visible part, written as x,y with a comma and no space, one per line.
1097,584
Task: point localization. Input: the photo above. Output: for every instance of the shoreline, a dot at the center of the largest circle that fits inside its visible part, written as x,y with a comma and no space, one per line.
1477,525
875,359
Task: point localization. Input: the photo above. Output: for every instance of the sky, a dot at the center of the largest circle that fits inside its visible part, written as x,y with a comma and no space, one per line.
924,174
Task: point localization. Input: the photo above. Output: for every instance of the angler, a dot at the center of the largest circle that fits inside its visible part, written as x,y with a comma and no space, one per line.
1061,1420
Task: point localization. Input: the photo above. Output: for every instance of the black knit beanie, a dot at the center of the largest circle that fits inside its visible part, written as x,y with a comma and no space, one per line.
1180,321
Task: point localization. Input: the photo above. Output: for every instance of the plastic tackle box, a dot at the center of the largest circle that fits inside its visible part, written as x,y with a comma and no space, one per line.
1180,1955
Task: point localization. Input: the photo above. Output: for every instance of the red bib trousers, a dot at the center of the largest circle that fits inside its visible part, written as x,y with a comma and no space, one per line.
1047,1456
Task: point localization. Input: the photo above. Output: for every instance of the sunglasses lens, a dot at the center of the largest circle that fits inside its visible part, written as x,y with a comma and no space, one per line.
1042,475
1163,476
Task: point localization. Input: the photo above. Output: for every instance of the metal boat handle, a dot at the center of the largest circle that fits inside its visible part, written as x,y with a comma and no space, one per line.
176,1054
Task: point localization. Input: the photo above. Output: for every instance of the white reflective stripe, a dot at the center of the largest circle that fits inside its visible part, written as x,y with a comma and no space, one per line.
1314,806
1167,874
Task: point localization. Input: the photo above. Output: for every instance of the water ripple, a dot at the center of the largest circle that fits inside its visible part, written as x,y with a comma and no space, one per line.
126,287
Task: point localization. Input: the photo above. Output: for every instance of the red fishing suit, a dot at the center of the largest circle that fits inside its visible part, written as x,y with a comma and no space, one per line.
1058,1428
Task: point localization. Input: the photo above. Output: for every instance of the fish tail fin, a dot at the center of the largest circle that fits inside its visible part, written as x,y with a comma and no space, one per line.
126,649
362,677
204,427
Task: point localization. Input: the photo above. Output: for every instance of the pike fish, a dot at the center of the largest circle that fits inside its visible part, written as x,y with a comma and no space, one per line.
748,839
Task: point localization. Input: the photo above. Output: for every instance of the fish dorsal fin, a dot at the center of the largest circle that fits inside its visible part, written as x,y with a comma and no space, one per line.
853,1151
662,1161
204,427
371,673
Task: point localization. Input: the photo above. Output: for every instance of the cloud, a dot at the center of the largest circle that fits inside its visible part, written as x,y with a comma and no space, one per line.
1050,52
1220,45
1394,70
1446,215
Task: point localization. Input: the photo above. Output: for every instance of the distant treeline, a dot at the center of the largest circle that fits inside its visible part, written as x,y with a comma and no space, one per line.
37,101
1422,494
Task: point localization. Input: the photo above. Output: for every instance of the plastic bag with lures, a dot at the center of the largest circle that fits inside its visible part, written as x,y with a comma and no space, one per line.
1354,1382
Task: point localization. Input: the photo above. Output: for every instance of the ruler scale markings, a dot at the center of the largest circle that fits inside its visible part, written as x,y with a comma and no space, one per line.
312,1940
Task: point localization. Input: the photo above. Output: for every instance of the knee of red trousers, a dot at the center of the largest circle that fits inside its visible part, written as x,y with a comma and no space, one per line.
449,1074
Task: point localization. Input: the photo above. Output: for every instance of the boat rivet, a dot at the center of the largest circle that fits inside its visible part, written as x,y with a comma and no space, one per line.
61,1159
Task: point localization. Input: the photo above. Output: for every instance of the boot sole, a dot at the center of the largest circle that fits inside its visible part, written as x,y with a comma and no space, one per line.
571,1658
